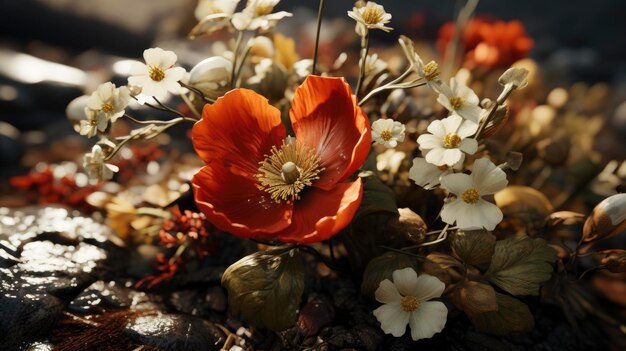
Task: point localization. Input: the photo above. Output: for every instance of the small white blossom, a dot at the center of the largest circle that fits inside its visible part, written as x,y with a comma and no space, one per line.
448,140
390,160
406,301
427,175
374,65
428,72
258,15
95,166
461,100
157,76
94,123
109,100
213,15
387,132
469,210
370,16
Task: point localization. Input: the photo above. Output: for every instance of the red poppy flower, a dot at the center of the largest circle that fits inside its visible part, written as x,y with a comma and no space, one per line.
257,183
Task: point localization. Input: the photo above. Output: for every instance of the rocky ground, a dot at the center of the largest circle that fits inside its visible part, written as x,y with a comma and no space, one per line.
67,283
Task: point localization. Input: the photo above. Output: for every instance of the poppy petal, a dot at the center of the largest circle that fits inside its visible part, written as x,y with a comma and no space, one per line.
326,117
320,214
238,130
234,204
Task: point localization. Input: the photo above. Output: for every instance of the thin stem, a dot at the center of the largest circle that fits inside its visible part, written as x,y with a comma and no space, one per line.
198,92
365,46
389,87
191,106
401,251
167,108
317,35
235,53
317,254
243,60
441,237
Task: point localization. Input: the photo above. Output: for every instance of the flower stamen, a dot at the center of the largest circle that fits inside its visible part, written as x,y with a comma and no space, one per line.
470,196
263,10
431,70
386,135
451,140
107,107
372,15
156,73
409,303
457,102
288,170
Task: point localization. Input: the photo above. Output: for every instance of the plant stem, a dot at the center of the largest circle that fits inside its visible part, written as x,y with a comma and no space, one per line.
317,35
235,52
365,46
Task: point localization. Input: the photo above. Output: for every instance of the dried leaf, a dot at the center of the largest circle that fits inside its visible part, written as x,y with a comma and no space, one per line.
382,267
445,267
512,316
266,288
475,298
474,247
521,264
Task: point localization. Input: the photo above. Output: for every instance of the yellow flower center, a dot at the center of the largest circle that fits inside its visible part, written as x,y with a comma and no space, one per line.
443,168
372,15
470,196
457,102
386,135
409,303
263,10
107,107
451,140
214,10
156,73
288,170
431,70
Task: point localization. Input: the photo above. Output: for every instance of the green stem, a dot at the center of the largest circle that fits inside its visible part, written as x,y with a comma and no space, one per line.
235,53
365,46
317,35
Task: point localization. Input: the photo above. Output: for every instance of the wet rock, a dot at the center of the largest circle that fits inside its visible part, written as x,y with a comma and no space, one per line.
175,332
110,294
38,346
201,303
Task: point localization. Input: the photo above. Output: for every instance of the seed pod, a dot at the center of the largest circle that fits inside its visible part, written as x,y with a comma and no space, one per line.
565,225
411,225
613,260
211,76
607,219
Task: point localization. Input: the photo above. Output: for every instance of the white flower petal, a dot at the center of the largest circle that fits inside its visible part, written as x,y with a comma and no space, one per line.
451,210
437,128
470,112
428,287
428,320
490,214
387,292
488,178
451,157
456,183
429,141
405,280
467,128
468,146
435,156
152,56
424,174
452,123
393,319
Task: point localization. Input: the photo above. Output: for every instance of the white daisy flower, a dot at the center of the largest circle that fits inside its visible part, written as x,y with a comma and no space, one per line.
374,65
427,175
157,76
94,123
387,132
469,210
109,100
448,140
372,16
213,15
428,72
460,99
95,166
406,301
258,15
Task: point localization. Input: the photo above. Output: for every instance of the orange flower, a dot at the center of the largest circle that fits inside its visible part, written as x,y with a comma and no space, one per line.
257,183
490,44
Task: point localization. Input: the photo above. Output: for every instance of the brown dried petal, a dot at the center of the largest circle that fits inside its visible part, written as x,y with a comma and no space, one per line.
475,298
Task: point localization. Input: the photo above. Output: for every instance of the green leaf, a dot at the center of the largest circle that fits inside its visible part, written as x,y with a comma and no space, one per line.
474,247
521,264
266,287
475,298
512,316
382,267
377,197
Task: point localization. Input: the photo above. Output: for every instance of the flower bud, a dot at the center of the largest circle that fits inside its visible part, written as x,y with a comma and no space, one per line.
566,225
75,110
411,225
607,219
211,76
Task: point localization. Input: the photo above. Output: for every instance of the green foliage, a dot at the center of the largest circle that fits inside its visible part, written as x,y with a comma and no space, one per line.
512,316
474,247
377,197
520,265
266,288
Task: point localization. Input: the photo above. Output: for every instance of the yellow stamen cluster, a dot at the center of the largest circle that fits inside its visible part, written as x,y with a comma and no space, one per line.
470,196
457,102
409,303
443,168
431,70
107,107
372,14
263,10
288,170
386,135
156,73
451,140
